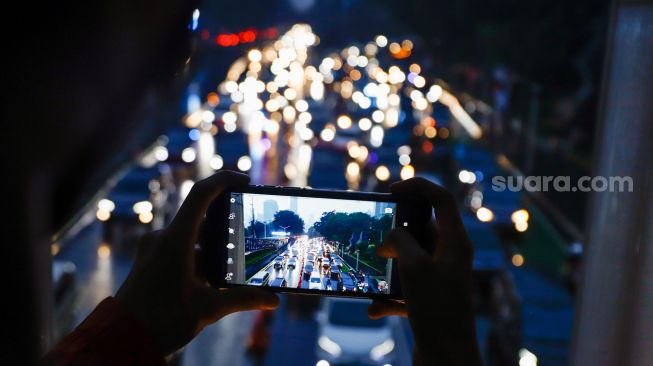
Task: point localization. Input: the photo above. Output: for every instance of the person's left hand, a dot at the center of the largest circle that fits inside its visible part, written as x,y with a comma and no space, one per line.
162,290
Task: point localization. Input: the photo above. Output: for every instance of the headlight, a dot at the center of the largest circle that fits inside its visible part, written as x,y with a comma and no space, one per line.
330,346
381,350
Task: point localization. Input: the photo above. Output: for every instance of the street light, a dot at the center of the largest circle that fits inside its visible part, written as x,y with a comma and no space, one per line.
357,253
285,229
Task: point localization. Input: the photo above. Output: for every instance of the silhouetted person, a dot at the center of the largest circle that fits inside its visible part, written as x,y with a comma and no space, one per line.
81,82
162,305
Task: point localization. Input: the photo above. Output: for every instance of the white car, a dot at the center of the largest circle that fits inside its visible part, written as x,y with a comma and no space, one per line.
315,282
347,336
260,279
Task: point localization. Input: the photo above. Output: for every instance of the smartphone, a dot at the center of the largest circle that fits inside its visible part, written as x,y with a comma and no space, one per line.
302,241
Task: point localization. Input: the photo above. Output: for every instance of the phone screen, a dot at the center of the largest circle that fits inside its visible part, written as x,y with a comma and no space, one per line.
309,243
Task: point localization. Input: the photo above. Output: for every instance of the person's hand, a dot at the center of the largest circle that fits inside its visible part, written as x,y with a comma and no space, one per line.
162,290
437,288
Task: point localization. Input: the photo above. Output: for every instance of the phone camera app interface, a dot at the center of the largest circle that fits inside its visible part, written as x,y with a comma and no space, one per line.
309,243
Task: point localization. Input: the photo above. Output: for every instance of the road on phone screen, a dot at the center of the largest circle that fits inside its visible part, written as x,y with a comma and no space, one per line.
314,264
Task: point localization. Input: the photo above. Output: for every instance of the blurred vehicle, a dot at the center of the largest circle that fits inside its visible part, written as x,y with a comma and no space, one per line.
132,188
346,335
123,227
476,165
337,263
278,282
315,282
292,263
260,279
232,146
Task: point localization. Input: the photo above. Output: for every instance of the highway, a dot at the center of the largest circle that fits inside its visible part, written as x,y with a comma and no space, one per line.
316,252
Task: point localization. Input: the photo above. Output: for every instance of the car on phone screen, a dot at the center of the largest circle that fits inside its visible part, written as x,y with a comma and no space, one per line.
315,281
260,279
362,281
373,285
330,285
347,336
335,274
278,262
326,264
308,269
348,283
383,287
278,282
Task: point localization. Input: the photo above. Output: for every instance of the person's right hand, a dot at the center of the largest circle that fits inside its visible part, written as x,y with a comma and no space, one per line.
162,290
437,287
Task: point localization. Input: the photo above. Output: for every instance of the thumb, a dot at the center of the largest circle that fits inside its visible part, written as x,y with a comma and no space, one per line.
244,298
398,243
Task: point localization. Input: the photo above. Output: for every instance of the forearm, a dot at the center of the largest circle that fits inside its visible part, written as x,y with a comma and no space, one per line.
108,336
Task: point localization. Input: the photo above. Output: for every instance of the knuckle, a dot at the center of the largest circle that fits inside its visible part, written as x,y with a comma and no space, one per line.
198,187
426,184
219,176
222,176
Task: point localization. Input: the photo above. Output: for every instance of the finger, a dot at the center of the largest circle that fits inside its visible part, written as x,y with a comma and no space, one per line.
448,220
189,217
398,243
380,308
211,305
245,298
441,199
147,241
